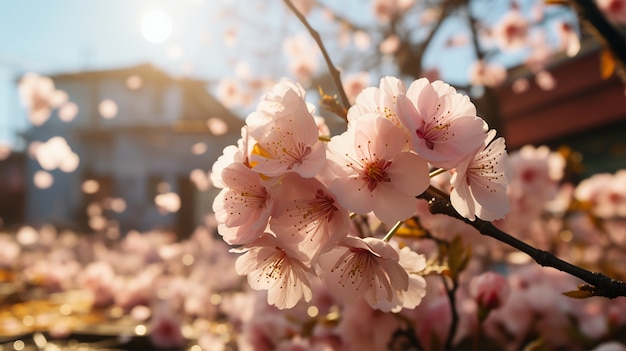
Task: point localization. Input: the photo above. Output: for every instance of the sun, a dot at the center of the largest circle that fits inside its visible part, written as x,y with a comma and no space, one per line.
156,26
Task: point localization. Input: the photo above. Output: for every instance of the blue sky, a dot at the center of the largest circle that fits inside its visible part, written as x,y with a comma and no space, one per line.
72,35
57,36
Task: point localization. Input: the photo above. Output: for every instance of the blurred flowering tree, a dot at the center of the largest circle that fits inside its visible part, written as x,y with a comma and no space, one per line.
328,228
469,44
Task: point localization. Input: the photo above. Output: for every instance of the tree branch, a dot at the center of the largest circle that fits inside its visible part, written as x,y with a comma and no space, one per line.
600,285
439,203
334,72
610,37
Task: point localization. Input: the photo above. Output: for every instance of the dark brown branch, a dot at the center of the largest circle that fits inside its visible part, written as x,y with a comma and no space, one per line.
334,72
601,285
610,37
439,203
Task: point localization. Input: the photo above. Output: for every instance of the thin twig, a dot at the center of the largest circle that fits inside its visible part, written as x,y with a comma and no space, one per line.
454,321
334,72
439,203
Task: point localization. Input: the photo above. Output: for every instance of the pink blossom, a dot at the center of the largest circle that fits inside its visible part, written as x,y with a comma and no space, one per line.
39,95
443,123
166,330
371,172
309,215
270,265
386,10
366,268
286,134
98,278
302,55
615,10
242,209
381,100
487,75
358,320
479,184
390,45
570,42
605,192
511,31
489,289
354,84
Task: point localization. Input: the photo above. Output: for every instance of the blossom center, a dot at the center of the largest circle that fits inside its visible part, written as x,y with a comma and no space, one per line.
376,172
323,205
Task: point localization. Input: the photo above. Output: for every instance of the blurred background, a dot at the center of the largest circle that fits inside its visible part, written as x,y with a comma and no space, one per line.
113,112
139,98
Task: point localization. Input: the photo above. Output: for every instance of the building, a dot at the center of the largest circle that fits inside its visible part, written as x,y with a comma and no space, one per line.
157,130
583,111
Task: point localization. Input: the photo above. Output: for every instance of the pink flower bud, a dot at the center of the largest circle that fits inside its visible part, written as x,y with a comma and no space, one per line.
489,289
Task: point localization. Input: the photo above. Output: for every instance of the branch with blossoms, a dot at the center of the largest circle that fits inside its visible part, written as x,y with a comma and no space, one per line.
482,165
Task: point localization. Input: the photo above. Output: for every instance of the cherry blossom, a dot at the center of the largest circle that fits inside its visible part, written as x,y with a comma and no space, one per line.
309,215
489,289
511,31
371,172
366,268
381,100
443,124
243,207
615,10
272,266
490,75
286,134
479,184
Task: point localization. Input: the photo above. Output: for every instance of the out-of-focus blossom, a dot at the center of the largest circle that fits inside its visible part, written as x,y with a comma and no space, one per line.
56,153
390,45
614,10
134,82
545,80
520,85
304,6
355,83
386,10
605,193
107,108
569,40
511,31
302,55
9,251
43,179
168,202
487,75
217,126
39,95
165,329
489,289
362,40
230,92
68,112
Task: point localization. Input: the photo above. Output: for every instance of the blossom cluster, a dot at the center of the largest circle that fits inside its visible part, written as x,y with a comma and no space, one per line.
289,189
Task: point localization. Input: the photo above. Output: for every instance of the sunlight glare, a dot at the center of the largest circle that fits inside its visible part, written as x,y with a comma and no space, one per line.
156,26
